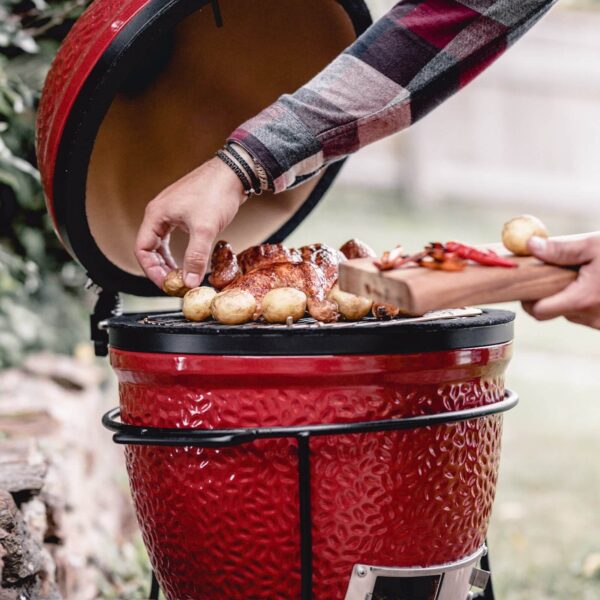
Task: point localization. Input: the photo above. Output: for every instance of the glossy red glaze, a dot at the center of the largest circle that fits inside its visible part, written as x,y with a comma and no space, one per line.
224,523
79,53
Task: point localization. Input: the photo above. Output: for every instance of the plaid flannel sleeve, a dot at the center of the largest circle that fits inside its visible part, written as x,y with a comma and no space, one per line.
402,67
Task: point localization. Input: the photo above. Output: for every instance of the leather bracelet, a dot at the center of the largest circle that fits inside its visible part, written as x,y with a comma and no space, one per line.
248,189
266,183
249,170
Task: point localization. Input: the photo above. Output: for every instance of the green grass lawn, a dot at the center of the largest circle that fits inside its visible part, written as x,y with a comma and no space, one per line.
547,515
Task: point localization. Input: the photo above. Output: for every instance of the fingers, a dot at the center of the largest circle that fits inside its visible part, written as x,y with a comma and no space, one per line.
528,307
581,318
572,299
165,252
589,320
563,252
150,249
197,255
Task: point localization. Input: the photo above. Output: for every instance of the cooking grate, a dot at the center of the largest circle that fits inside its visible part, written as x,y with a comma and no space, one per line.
176,319
170,332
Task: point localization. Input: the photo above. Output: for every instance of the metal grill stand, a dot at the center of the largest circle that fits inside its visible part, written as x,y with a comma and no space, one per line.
214,438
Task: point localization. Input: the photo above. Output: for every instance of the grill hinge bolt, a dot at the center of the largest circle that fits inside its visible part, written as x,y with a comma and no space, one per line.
479,578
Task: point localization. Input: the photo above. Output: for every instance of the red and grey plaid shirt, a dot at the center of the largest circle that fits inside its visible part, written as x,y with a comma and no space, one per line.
403,66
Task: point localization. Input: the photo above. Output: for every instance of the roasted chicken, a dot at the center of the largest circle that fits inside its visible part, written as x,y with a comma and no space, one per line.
260,269
312,270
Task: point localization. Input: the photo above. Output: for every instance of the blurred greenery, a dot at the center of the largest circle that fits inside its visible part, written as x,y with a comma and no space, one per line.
39,285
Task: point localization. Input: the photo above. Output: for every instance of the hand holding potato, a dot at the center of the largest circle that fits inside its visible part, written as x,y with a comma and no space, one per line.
201,204
518,231
173,284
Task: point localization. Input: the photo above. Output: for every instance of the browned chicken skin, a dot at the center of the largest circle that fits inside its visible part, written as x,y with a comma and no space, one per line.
312,269
304,276
224,266
266,255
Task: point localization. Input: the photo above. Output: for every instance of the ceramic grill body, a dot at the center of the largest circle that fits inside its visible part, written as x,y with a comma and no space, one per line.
223,522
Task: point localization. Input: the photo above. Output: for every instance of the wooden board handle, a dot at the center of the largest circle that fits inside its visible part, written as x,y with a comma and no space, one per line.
416,290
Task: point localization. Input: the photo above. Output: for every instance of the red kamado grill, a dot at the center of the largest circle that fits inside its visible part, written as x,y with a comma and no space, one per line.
352,461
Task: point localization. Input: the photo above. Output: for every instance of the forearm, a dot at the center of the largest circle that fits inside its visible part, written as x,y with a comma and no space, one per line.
406,64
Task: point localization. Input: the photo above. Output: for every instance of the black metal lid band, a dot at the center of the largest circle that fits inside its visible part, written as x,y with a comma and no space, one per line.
217,438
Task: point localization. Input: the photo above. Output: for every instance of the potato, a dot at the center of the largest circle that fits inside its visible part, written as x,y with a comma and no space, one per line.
233,307
196,303
518,231
173,284
281,303
351,307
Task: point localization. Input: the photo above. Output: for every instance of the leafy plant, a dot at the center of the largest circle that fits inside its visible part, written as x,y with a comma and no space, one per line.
39,285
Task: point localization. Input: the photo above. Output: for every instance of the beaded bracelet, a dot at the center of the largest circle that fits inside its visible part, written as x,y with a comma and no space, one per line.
256,184
248,189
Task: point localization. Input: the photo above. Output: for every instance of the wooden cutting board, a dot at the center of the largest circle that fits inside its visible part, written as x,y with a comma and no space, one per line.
416,290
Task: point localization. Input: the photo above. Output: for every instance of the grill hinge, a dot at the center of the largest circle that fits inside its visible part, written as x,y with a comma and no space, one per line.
107,305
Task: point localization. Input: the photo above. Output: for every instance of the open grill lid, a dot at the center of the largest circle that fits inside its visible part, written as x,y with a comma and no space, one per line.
142,91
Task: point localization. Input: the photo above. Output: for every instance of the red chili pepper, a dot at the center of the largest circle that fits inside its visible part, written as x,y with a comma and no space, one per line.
483,257
449,262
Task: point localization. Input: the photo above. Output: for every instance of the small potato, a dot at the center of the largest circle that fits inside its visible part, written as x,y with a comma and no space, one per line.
281,303
173,284
233,307
517,232
351,307
196,303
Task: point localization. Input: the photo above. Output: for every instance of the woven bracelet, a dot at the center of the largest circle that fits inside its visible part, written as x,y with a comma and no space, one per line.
250,191
249,171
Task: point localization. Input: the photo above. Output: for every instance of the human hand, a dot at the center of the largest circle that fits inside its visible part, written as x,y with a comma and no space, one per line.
580,301
202,204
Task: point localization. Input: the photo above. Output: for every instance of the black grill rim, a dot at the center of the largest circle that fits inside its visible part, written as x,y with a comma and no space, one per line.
491,328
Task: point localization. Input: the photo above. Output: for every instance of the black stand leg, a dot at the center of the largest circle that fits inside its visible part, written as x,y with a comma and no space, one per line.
154,589
488,593
305,516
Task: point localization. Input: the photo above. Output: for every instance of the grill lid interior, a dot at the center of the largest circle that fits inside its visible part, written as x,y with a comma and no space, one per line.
162,100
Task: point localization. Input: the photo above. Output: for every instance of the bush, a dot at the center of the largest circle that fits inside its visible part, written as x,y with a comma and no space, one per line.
40,288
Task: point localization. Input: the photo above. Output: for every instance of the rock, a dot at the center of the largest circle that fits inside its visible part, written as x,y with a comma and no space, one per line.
65,514
22,468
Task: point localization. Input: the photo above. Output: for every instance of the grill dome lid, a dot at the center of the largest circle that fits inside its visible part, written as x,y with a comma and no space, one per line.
142,91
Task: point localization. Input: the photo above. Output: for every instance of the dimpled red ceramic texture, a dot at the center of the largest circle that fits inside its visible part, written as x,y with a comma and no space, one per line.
223,523
82,48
